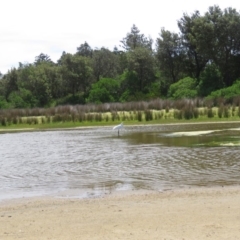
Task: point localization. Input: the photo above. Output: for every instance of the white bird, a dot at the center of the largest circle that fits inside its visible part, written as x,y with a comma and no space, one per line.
118,127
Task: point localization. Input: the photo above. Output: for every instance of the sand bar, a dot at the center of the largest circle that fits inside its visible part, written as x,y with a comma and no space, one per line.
203,213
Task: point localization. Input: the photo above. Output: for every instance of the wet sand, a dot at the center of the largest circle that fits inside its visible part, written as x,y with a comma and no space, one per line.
203,213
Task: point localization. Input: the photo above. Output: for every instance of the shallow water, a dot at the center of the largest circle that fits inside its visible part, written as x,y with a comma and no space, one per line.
94,161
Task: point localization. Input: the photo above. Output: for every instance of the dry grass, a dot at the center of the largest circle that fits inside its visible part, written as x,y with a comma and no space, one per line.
132,111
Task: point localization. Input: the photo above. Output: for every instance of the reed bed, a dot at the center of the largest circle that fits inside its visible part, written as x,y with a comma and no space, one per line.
153,110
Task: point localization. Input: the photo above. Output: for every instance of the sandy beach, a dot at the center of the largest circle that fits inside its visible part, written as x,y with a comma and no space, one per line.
203,213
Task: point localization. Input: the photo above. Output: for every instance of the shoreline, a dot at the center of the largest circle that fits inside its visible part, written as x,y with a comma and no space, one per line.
194,213
12,130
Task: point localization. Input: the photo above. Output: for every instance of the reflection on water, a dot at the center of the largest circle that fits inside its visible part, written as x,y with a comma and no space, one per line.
90,162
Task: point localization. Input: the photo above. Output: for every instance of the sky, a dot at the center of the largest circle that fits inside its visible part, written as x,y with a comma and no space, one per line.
28,27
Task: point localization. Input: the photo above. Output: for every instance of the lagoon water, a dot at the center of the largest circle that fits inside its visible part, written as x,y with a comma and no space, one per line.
94,161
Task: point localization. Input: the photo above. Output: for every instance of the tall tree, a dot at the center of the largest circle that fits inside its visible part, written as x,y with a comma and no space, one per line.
135,39
76,72
194,61
85,50
11,81
35,79
105,64
171,55
226,41
141,66
212,39
42,58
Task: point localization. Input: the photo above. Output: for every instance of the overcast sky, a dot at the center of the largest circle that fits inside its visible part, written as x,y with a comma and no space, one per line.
28,27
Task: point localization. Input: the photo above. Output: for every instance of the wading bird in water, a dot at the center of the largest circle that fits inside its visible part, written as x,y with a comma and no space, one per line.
118,127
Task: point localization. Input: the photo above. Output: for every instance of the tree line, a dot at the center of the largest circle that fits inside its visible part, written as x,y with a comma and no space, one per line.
202,60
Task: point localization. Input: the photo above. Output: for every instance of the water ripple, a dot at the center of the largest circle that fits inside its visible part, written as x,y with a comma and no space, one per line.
94,161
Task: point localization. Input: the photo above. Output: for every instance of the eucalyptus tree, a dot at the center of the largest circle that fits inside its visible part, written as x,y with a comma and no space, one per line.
225,45
170,55
42,58
214,38
105,63
76,72
141,70
36,80
195,60
210,80
135,39
85,50
10,82
54,80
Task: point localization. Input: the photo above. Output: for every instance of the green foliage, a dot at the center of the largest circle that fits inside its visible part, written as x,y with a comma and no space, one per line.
71,99
139,116
76,73
194,60
85,50
206,50
105,64
22,99
36,81
4,104
210,113
210,80
148,115
137,79
154,90
135,39
184,88
141,63
170,55
105,90
10,82
227,93
42,58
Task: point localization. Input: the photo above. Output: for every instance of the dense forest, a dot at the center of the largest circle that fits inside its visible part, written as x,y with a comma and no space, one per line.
202,60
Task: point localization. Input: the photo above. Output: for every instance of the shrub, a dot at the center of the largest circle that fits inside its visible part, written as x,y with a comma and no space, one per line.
148,115
177,114
225,112
220,111
3,121
57,118
15,120
98,117
187,113
71,99
105,90
139,116
210,113
184,88
228,93
4,104
210,80
195,113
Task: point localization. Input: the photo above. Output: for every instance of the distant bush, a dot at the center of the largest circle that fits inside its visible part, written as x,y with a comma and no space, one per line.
71,99
184,88
4,104
210,113
210,80
103,91
148,115
228,93
22,98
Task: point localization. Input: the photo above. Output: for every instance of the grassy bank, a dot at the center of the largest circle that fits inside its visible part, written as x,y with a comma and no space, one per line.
109,119
152,112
